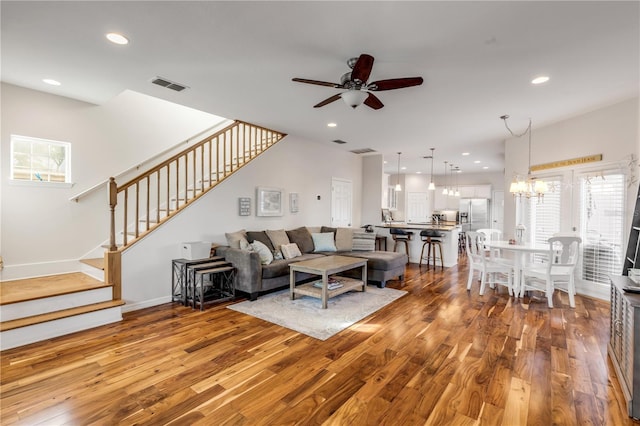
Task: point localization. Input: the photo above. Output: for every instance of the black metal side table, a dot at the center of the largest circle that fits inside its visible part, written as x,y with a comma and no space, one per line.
180,279
222,286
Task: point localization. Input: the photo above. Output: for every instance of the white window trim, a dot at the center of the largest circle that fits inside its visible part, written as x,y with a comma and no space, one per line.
23,182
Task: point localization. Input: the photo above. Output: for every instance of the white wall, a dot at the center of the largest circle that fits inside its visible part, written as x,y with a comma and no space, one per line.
38,224
612,131
372,189
293,164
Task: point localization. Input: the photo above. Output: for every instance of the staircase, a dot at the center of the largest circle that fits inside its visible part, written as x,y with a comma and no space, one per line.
42,308
37,309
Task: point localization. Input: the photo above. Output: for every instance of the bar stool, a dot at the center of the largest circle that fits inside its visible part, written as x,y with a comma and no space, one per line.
462,243
401,236
432,239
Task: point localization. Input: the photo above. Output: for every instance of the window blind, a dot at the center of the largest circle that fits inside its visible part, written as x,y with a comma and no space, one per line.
601,225
544,215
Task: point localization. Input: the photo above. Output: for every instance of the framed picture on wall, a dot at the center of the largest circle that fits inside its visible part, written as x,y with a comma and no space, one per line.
244,206
269,201
293,202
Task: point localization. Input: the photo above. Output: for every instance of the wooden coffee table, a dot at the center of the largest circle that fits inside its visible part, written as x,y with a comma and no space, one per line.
325,266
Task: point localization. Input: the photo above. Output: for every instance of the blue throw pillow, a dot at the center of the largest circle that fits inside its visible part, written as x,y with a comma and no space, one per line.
323,241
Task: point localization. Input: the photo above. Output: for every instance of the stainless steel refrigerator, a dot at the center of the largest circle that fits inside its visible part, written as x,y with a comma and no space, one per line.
474,214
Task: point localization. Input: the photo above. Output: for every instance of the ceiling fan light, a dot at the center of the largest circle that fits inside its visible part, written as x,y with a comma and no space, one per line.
354,98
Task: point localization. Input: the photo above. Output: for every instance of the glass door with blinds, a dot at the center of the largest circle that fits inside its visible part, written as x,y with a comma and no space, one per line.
601,201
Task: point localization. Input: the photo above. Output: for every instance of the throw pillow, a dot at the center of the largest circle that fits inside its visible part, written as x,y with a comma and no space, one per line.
328,229
244,245
266,256
234,238
364,241
302,238
323,241
277,237
344,239
291,250
259,236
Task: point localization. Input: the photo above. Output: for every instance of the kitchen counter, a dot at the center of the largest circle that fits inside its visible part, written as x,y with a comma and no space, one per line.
449,241
443,226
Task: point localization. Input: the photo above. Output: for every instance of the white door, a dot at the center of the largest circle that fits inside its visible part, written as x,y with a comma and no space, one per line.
417,206
497,211
341,201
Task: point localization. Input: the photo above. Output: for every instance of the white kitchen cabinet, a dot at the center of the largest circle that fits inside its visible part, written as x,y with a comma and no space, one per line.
475,191
444,202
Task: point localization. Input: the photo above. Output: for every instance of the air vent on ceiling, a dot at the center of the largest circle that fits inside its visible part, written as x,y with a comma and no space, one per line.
338,141
169,84
363,151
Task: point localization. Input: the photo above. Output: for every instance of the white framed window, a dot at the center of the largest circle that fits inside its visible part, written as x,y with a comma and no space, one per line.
543,220
40,160
392,199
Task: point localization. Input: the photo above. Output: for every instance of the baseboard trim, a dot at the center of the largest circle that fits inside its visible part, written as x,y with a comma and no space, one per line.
593,290
135,306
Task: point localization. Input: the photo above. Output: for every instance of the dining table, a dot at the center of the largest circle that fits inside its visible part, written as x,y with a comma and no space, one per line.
521,251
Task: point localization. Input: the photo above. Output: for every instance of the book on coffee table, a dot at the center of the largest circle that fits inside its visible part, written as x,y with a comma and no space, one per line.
332,283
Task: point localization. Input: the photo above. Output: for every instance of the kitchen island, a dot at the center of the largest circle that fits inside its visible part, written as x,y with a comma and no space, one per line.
449,241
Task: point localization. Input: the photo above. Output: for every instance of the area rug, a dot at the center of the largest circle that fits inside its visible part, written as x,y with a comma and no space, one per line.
305,314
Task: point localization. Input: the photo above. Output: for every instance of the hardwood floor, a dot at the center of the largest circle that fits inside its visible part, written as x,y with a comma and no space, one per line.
438,356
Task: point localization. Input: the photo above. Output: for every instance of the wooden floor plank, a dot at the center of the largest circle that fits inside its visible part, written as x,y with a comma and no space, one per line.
440,355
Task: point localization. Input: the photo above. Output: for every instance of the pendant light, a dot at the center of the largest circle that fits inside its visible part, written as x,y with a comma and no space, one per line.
432,186
457,193
530,186
452,190
445,191
398,186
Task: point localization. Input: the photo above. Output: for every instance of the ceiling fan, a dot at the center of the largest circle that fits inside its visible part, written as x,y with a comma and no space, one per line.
358,90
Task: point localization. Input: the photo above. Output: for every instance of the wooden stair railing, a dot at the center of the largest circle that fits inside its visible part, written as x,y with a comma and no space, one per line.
145,202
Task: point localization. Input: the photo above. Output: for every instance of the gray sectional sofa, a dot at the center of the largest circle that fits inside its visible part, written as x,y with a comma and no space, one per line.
257,274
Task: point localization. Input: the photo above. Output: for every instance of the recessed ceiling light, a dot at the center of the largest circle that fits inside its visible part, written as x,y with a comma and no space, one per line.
117,38
465,153
485,167
331,124
403,168
540,80
418,173
51,81
477,162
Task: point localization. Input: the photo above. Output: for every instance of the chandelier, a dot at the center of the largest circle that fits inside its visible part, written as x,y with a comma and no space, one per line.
528,186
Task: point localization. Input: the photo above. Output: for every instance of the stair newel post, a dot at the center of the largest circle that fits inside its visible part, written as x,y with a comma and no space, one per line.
112,190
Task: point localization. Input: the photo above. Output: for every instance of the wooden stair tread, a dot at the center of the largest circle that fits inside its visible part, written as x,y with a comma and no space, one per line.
51,316
41,287
96,263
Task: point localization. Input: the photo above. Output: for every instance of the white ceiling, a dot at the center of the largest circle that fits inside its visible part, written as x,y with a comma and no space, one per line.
238,58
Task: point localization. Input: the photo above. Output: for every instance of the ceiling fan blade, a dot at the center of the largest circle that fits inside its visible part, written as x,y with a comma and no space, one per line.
373,102
328,101
395,83
362,68
316,82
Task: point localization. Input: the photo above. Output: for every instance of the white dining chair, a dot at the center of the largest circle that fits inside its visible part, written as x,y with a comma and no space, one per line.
556,273
490,270
492,234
